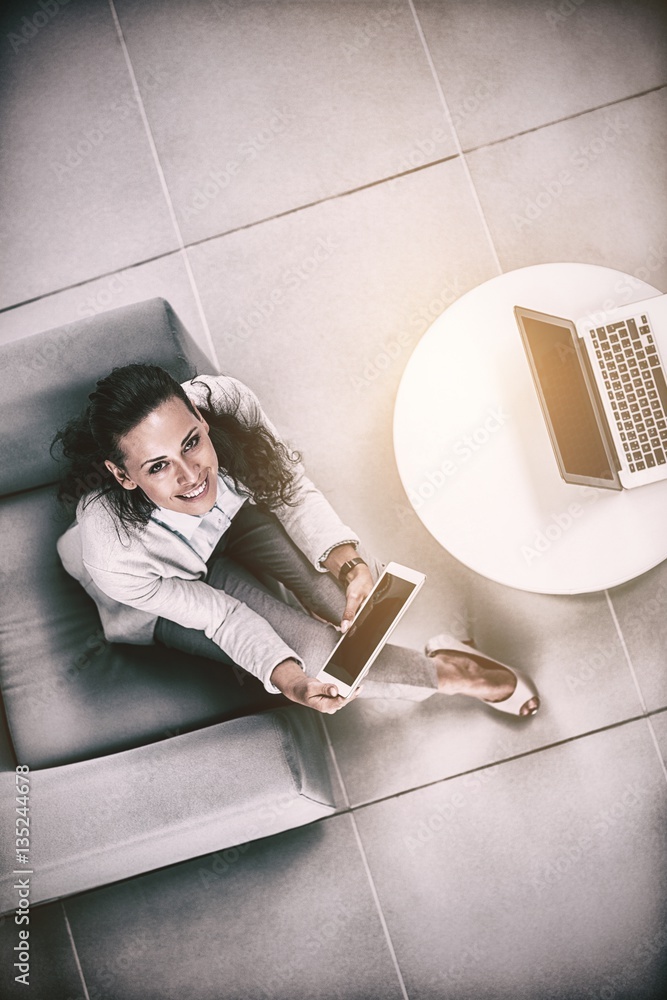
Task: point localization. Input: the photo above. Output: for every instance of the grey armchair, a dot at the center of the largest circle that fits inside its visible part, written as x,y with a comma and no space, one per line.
139,756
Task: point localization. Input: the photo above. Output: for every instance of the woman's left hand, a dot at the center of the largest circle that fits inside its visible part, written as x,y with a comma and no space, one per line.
359,586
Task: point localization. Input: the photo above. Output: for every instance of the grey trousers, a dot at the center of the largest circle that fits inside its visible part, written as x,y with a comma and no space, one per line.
257,545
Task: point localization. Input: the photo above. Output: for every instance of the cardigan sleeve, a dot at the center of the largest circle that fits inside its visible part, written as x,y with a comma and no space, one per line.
245,636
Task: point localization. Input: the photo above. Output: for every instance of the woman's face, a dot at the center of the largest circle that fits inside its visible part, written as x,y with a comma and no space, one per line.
169,455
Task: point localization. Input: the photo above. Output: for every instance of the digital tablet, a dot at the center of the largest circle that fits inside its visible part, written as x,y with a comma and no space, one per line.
371,627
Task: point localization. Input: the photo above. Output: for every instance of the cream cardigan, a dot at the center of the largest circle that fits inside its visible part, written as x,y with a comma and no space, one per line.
136,575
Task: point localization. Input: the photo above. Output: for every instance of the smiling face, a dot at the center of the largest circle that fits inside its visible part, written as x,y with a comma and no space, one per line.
169,455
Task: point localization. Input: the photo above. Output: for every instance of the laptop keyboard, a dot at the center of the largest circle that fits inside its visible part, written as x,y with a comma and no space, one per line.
636,386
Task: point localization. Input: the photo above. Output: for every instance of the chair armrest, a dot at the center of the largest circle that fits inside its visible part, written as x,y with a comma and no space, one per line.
97,821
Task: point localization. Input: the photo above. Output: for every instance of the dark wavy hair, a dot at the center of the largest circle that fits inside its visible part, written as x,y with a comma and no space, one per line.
260,466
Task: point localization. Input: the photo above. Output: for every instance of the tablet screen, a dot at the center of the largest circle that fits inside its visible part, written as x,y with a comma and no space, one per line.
369,628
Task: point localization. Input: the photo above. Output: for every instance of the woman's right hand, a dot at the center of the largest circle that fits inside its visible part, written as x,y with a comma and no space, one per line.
296,685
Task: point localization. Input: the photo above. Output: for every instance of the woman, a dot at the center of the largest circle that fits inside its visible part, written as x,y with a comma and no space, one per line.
188,496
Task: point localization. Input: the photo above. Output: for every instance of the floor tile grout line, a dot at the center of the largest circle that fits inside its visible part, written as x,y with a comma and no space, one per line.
335,763
565,118
75,952
336,196
626,651
88,281
654,738
163,184
350,809
321,201
230,232
642,702
450,123
503,760
314,204
376,899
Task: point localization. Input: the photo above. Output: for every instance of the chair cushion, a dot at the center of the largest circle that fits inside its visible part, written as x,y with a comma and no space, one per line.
46,379
69,694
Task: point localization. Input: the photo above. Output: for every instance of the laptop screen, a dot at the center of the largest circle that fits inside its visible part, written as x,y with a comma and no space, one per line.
565,396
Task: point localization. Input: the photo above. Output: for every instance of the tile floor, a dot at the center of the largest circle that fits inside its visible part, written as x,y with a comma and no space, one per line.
204,151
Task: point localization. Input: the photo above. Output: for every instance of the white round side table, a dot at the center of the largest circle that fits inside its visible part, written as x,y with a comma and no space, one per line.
475,459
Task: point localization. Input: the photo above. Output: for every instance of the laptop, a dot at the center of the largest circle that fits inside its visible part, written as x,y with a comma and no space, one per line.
603,392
